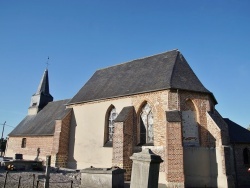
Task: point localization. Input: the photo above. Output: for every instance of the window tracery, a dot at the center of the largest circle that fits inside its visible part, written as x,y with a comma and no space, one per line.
146,125
112,116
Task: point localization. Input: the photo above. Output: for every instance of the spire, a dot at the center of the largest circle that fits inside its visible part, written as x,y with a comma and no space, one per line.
44,84
42,96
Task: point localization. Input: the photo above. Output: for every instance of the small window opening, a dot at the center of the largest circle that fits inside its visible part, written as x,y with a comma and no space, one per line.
246,156
23,143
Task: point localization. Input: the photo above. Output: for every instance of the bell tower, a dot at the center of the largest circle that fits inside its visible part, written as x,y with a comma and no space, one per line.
42,96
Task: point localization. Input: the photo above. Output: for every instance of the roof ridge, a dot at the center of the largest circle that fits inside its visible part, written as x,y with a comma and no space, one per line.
172,72
138,59
60,100
65,100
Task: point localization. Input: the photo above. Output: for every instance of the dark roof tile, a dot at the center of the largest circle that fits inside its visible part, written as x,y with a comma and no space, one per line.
237,133
44,122
163,71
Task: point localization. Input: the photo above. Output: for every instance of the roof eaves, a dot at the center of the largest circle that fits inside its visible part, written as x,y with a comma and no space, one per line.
87,101
113,97
25,135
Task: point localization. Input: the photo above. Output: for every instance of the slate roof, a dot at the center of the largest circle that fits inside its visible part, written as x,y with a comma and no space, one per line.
168,70
42,123
44,84
237,133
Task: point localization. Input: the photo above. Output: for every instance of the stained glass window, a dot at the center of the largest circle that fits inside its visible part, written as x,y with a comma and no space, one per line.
112,116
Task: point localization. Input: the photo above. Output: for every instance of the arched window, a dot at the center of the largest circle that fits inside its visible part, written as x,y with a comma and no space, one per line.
246,156
109,126
112,116
146,125
23,143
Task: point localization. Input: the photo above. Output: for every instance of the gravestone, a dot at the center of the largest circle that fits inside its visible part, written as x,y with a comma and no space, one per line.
145,169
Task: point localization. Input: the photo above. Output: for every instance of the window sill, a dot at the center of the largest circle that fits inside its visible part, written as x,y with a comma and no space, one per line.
108,144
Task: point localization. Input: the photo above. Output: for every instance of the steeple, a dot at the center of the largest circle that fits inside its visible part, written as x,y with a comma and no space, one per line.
44,84
42,96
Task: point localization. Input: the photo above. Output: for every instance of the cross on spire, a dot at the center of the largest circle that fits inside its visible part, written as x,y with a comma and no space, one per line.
47,63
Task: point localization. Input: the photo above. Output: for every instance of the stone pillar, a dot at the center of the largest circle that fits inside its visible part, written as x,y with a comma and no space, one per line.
145,169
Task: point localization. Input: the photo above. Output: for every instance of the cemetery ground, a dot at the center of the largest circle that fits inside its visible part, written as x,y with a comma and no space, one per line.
59,178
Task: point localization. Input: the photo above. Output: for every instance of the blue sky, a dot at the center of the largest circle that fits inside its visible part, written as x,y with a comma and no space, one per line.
82,36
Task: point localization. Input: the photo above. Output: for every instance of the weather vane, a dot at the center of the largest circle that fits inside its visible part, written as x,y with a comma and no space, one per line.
47,62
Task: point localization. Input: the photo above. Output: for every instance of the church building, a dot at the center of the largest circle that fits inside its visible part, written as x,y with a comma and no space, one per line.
155,102
45,130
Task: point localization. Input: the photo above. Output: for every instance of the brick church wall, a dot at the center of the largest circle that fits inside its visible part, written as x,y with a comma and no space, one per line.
177,100
159,102
38,147
44,143
202,103
169,135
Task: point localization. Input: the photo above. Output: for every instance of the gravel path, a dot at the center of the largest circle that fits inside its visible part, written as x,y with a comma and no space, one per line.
59,178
